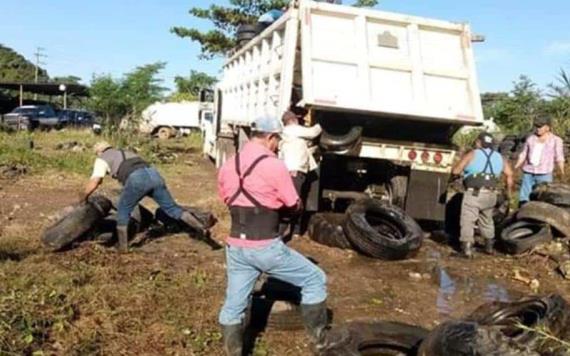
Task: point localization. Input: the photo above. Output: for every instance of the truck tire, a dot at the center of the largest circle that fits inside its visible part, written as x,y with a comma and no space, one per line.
245,33
468,338
164,133
523,235
379,338
552,215
341,143
327,229
550,313
76,224
552,193
381,230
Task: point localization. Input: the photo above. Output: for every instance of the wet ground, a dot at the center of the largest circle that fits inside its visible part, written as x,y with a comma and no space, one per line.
171,288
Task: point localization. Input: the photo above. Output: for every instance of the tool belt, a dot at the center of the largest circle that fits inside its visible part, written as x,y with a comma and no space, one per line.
481,181
254,223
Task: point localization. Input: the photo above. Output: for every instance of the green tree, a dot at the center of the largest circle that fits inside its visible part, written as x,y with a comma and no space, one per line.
366,3
559,104
141,87
188,88
516,110
106,98
226,20
15,67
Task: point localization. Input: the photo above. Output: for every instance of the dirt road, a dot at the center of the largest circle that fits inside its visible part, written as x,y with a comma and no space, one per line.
163,298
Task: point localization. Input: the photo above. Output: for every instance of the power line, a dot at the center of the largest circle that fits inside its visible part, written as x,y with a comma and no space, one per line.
39,55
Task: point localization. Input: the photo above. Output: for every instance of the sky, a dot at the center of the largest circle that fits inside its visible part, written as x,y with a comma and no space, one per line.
84,38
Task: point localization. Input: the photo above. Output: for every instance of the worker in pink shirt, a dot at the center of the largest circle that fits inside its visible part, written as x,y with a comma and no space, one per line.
255,185
542,151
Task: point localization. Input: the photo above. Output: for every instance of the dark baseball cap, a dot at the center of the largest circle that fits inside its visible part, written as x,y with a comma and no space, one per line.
486,139
540,121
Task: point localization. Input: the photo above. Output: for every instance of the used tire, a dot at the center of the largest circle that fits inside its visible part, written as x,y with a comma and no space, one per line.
246,33
379,338
341,143
381,230
523,235
552,215
76,224
554,193
551,313
327,229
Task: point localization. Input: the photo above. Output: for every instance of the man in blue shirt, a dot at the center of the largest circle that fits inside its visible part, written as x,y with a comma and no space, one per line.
481,168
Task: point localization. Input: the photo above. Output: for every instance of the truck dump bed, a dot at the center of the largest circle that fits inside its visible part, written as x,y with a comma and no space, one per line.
355,60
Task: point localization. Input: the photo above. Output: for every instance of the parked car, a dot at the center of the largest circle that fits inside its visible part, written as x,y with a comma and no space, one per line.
30,117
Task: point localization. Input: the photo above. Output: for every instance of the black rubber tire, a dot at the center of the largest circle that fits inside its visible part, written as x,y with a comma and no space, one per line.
552,215
341,143
381,230
502,209
468,338
550,313
76,224
379,338
246,32
327,229
554,193
523,235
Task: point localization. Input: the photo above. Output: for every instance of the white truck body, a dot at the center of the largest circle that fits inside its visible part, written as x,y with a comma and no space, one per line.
183,116
384,69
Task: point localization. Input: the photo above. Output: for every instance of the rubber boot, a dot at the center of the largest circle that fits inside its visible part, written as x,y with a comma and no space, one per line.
191,221
233,339
123,236
467,249
315,319
489,247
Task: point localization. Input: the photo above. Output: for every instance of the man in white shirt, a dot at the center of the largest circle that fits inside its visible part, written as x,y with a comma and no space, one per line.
295,152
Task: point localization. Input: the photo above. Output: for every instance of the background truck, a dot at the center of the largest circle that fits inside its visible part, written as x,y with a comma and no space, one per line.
169,119
389,90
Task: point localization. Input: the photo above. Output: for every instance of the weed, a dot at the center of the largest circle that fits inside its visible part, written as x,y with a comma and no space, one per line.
548,341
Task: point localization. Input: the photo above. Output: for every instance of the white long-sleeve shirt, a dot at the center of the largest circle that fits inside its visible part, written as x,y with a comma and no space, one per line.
294,148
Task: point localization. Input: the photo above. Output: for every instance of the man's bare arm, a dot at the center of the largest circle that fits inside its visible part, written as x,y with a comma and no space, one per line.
509,177
90,188
460,166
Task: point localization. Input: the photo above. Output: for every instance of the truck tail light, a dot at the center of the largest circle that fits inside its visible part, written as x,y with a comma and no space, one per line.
438,158
412,155
425,156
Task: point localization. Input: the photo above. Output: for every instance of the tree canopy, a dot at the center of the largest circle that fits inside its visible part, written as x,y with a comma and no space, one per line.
15,67
188,88
226,19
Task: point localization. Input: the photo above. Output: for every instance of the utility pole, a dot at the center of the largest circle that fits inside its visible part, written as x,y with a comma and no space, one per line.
39,55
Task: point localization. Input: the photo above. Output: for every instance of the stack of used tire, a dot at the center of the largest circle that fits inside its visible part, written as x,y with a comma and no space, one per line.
545,217
506,329
374,228
95,221
512,145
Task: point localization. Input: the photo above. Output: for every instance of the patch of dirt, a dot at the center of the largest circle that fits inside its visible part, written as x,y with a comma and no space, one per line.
164,297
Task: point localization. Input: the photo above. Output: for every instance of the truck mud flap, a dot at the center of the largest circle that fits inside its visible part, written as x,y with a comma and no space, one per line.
427,195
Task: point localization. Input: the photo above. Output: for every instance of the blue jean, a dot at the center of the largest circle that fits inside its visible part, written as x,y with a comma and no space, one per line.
244,266
529,180
141,183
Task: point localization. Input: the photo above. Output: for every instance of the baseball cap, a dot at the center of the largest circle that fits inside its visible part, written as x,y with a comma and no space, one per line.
540,121
101,146
267,124
486,139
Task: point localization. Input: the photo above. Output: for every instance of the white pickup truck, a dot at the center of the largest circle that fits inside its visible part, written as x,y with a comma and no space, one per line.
388,89
169,119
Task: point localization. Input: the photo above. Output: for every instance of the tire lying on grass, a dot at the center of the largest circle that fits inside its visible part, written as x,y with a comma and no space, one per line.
521,236
327,229
548,313
554,193
381,230
74,225
378,338
552,215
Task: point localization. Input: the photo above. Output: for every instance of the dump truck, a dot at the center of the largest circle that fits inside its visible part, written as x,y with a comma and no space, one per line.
167,120
390,90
